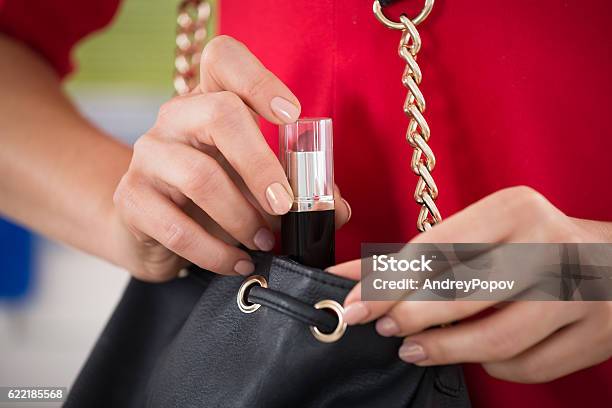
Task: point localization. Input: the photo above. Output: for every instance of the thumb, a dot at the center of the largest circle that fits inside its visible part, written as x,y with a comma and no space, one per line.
349,270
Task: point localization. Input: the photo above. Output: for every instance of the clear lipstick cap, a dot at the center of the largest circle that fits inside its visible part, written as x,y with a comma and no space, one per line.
306,154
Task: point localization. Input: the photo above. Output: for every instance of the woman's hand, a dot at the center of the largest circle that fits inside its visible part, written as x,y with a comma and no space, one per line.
521,341
203,178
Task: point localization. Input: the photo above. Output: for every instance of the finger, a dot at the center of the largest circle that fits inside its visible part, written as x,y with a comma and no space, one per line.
410,317
343,210
222,120
228,65
348,270
563,353
148,211
499,336
357,311
201,178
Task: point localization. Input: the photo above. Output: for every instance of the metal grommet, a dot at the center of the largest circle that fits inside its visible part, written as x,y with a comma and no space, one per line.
243,304
340,328
377,8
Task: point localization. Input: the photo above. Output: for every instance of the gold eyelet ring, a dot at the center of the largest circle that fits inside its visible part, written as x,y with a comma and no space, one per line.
396,25
243,305
340,328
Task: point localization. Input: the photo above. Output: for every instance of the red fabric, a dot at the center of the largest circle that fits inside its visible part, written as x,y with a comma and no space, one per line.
52,28
518,92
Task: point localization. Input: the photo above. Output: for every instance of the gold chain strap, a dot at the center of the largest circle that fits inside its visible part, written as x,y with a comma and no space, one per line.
417,135
191,36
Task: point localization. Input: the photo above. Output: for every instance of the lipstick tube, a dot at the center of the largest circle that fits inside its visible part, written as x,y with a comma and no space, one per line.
308,229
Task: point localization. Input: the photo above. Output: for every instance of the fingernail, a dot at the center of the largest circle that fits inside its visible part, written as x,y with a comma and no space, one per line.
411,352
279,199
387,327
355,313
284,110
264,239
244,267
350,211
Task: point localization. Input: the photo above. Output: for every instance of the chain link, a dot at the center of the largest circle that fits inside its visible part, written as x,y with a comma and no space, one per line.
191,36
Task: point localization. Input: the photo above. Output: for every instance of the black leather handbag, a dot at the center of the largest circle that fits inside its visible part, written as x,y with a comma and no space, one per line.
187,343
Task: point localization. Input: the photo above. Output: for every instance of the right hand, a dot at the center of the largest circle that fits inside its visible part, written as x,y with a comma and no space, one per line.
203,178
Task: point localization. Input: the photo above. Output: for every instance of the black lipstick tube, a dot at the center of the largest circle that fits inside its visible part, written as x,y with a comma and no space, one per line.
308,229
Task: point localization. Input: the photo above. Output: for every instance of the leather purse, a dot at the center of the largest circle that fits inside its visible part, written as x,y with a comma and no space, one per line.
186,343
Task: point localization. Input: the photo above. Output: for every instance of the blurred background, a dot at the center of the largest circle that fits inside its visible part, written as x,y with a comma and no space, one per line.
54,301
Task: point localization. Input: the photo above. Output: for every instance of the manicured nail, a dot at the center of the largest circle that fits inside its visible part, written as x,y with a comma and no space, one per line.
244,267
284,110
387,327
411,352
348,207
264,239
355,313
279,198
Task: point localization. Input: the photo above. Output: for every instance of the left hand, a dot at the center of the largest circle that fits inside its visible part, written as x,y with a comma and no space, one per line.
528,342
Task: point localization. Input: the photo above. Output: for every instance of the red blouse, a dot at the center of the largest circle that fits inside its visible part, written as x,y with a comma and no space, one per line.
52,28
517,93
